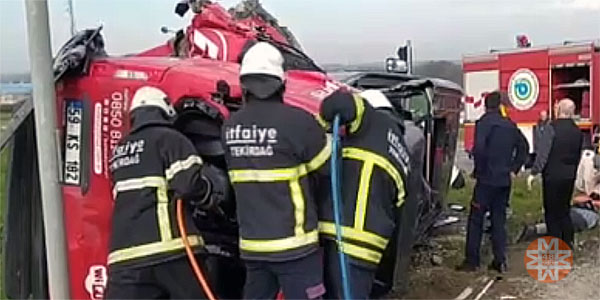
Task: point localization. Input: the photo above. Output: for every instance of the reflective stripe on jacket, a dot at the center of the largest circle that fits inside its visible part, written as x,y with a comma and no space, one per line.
275,154
152,167
374,170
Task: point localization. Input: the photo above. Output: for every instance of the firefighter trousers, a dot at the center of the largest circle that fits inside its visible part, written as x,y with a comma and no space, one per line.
297,279
360,277
173,279
495,200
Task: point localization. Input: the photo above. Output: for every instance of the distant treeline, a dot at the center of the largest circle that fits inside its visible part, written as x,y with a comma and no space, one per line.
15,77
444,69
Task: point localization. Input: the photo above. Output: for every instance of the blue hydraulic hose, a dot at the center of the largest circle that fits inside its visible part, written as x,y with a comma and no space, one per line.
336,190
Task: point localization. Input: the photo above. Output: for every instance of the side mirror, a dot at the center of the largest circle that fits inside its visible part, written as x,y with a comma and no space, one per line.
182,7
166,30
395,65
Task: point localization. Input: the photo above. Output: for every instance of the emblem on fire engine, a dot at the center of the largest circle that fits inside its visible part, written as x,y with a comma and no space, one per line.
523,89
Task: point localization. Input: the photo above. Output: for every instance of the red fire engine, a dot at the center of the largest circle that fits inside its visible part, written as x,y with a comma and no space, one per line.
535,79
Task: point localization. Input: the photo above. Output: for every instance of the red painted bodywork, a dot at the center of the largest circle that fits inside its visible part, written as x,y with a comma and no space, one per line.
228,35
540,60
595,90
487,64
536,61
106,99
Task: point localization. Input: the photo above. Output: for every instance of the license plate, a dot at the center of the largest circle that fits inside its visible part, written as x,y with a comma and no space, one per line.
74,118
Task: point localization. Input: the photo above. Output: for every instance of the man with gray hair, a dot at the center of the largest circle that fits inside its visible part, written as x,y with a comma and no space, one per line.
557,160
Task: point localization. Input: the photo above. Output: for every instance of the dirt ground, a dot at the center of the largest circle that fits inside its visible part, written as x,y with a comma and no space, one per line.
583,282
433,275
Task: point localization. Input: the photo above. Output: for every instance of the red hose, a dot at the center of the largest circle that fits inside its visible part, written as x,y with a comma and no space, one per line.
190,253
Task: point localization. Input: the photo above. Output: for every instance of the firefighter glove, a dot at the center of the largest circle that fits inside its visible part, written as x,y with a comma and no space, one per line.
340,102
219,189
206,202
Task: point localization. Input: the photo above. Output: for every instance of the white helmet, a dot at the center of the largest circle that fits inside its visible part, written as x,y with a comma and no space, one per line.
376,99
151,96
263,58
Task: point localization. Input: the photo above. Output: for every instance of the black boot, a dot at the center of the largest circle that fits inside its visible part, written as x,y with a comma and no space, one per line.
527,234
501,268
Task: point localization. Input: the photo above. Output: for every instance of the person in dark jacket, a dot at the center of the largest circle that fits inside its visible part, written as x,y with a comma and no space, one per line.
538,132
500,151
374,170
539,129
274,154
152,167
557,161
417,189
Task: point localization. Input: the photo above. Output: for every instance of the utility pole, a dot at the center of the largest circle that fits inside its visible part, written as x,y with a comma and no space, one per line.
40,57
72,17
409,62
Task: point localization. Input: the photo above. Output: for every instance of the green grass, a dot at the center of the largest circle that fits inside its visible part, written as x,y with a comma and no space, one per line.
526,205
4,117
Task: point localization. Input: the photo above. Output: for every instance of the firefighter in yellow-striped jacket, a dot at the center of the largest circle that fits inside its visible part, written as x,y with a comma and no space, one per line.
152,167
374,169
274,154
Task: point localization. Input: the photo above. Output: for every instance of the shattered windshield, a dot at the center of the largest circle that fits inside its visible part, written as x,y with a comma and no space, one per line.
418,105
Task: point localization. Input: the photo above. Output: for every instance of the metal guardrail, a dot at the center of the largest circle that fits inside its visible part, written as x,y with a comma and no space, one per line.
17,119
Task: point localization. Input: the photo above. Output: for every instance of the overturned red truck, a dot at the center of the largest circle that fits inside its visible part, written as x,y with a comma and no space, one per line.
535,79
198,68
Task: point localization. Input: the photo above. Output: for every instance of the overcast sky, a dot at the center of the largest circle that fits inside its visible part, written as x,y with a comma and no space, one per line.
331,31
